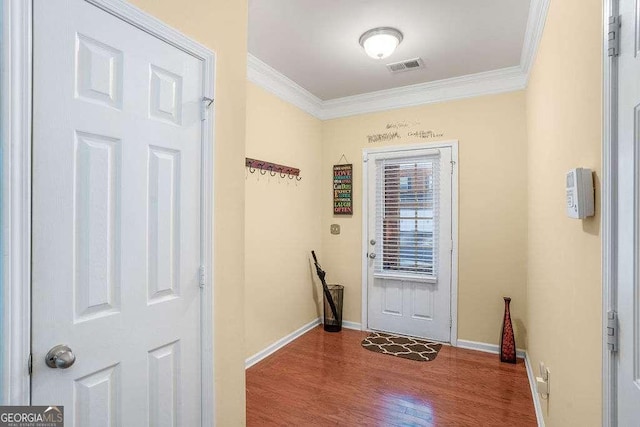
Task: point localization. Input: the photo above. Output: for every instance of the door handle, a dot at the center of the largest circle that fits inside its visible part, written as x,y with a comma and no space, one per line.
60,357
372,255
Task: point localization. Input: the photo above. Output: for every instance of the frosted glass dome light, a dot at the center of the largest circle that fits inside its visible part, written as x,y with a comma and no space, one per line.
380,42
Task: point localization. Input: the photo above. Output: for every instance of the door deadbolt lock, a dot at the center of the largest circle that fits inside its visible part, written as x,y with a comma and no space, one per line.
60,357
372,241
372,255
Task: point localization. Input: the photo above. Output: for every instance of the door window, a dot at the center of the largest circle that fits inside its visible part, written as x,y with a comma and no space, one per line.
407,214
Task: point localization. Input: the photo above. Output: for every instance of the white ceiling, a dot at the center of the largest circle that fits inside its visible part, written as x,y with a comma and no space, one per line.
315,42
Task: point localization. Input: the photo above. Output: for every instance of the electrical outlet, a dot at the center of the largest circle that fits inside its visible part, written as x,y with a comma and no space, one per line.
542,382
542,386
335,228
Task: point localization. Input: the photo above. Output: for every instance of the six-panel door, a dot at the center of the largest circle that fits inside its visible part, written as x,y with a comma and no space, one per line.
116,219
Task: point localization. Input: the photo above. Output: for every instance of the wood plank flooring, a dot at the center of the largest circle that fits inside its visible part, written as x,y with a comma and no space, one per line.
328,379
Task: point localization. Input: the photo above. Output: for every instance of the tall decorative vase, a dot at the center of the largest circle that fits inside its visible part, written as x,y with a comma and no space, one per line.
507,340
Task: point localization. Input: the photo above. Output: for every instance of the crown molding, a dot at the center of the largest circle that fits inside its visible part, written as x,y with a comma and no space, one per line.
533,34
283,87
486,83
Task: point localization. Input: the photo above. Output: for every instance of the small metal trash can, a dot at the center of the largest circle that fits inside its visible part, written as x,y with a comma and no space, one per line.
333,323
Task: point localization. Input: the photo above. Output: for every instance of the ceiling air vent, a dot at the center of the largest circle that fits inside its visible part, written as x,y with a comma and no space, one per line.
407,65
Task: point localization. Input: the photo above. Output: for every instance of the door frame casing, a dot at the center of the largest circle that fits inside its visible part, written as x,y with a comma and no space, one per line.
16,124
408,148
15,127
608,206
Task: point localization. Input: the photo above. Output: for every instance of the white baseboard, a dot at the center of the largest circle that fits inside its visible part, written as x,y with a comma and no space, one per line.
349,325
534,393
487,348
345,324
252,360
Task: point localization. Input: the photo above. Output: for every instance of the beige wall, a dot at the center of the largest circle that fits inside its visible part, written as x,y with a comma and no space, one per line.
222,26
564,286
562,301
282,220
492,204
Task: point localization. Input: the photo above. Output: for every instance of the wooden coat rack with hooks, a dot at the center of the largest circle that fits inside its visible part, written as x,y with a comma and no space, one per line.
273,168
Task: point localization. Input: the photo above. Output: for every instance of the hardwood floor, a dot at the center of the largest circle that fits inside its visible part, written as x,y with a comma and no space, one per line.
328,379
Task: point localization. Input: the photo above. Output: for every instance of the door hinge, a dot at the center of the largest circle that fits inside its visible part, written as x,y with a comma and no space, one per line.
453,164
206,103
613,44
203,276
30,364
612,331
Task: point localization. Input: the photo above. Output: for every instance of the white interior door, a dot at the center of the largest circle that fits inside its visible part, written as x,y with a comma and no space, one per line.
116,219
628,292
409,242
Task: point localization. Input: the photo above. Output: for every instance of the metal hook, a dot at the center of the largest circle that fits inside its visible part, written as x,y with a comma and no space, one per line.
271,172
290,175
298,178
282,174
209,101
251,169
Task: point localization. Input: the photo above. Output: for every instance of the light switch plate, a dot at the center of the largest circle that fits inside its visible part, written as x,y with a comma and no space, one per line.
335,228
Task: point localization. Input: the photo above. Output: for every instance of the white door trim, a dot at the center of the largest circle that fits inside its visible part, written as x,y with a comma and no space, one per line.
453,144
16,121
16,200
608,214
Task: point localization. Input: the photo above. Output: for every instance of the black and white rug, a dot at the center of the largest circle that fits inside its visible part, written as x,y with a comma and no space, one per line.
405,347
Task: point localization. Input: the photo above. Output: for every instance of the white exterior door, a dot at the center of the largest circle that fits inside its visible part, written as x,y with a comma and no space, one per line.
116,220
628,287
409,242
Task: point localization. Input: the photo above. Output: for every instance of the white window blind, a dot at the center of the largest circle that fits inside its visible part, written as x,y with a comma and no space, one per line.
407,196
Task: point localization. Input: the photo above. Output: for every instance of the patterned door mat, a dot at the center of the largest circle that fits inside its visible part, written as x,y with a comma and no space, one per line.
405,347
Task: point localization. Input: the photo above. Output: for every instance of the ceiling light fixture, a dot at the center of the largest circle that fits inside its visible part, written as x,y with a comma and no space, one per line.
380,42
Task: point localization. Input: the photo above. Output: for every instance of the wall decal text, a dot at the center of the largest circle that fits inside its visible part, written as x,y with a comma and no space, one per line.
383,137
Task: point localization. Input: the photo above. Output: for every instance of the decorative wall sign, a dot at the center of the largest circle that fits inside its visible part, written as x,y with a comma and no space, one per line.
343,189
